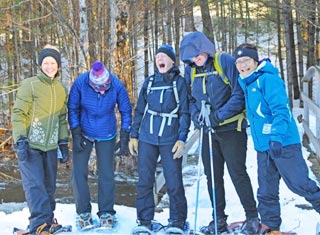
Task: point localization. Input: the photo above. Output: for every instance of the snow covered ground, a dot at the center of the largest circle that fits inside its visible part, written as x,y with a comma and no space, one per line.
301,221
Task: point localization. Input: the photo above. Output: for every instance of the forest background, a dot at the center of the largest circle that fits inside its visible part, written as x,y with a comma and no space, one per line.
123,33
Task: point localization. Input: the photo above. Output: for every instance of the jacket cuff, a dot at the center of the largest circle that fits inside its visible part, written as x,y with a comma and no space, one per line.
182,137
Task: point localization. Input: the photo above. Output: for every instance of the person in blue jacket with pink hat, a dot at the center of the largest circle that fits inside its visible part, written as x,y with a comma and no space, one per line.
93,99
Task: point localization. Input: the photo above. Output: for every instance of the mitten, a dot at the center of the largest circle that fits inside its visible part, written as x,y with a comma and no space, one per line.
178,149
63,146
275,148
133,146
78,142
22,148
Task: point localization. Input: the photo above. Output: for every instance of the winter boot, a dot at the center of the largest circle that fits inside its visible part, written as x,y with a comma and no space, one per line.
84,220
177,227
251,226
145,223
107,220
210,229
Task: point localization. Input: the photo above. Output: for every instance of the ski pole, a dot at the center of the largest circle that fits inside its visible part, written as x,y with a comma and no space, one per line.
198,181
212,183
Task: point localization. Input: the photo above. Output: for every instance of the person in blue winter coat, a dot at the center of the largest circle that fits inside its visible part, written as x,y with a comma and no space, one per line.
160,127
275,136
93,99
224,102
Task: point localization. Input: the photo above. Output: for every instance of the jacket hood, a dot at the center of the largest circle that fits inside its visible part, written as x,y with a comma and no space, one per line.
194,44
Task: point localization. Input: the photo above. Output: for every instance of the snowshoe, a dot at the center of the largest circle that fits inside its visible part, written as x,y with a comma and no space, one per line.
178,227
60,229
147,228
84,222
108,224
265,230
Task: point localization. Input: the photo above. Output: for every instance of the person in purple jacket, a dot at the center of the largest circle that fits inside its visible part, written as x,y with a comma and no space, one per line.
214,106
92,104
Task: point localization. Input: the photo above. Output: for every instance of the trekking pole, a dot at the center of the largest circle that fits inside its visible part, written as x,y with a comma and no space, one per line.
213,184
208,124
198,180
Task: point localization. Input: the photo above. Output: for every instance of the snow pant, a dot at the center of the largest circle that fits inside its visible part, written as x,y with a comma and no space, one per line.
293,169
229,147
39,173
106,181
172,169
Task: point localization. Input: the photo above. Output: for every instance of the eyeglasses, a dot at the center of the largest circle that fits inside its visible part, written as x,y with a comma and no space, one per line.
243,61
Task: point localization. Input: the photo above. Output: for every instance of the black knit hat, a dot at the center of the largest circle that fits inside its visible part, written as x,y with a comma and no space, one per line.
245,51
50,52
168,50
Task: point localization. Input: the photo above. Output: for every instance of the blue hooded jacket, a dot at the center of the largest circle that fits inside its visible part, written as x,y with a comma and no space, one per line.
95,113
226,101
267,107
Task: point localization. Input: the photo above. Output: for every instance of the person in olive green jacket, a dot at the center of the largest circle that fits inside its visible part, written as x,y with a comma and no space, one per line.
40,132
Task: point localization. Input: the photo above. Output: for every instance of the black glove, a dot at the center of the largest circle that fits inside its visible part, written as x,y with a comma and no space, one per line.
78,142
124,140
63,146
214,119
275,148
22,148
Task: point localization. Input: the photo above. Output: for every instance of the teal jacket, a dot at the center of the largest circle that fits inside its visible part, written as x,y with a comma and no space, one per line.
268,109
40,112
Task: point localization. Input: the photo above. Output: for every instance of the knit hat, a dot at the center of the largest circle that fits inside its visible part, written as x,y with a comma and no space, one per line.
168,50
50,52
99,77
245,51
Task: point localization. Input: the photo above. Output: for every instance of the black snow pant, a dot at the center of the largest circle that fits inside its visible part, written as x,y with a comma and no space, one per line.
229,147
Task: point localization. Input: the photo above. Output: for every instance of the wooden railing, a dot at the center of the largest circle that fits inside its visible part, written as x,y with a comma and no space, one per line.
160,181
311,103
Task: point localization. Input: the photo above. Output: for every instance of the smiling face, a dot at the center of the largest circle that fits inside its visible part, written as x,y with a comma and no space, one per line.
246,65
163,62
200,59
49,66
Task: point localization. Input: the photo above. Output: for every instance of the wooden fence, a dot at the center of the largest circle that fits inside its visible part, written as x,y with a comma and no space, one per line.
311,102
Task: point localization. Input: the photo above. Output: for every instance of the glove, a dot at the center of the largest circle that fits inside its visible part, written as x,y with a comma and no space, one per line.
124,139
178,149
63,146
22,148
78,143
133,146
275,148
214,119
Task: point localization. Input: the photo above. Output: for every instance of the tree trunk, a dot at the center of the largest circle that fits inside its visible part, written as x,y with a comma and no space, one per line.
206,20
188,17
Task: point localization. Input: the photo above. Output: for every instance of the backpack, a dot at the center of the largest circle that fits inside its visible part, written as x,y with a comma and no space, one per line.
165,116
218,70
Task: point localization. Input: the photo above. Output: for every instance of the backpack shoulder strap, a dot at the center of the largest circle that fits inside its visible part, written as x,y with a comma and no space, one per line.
217,66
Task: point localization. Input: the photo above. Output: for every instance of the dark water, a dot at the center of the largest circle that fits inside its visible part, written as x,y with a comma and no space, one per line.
125,191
